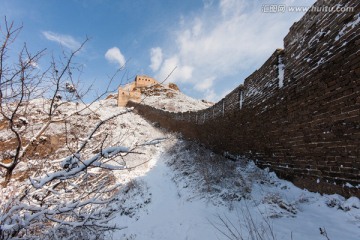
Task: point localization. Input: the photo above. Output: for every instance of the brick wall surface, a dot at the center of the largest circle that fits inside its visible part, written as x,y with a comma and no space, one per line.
305,127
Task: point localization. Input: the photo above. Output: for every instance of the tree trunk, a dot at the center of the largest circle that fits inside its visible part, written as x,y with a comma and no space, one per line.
8,175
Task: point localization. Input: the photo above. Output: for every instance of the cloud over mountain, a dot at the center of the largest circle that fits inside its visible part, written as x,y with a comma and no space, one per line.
114,55
156,58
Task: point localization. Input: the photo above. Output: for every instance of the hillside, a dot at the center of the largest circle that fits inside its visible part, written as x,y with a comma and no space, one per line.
171,99
177,189
277,158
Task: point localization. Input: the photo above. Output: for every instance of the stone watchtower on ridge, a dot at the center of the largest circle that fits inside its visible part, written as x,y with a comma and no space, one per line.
132,91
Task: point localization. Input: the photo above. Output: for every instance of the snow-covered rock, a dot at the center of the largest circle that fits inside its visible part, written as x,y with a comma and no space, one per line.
167,98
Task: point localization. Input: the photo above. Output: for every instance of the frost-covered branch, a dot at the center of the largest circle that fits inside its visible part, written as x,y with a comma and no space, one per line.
73,165
43,112
69,216
153,141
97,126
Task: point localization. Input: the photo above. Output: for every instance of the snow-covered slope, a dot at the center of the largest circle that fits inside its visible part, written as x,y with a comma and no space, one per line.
192,193
174,189
127,130
170,99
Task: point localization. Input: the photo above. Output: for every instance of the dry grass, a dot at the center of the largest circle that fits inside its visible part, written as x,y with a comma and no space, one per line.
6,160
39,150
3,125
215,176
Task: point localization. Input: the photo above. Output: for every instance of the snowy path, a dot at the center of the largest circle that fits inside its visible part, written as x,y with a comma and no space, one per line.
172,216
169,216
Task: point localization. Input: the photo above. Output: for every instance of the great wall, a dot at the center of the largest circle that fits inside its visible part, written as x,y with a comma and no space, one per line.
132,91
299,114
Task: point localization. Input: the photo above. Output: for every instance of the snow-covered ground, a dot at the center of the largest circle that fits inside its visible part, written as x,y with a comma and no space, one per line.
190,199
172,100
174,189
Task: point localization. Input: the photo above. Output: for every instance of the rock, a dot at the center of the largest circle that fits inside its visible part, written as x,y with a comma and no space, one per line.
174,87
169,94
111,96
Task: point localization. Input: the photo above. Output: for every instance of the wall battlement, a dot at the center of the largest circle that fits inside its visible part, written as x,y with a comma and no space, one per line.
299,114
132,91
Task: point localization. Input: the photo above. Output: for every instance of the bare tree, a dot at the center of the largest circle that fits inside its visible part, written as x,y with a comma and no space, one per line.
65,202
16,84
23,81
61,200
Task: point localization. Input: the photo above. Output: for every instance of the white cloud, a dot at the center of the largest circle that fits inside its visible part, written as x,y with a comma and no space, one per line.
156,58
231,7
65,40
114,55
223,41
197,27
208,3
210,95
182,73
203,85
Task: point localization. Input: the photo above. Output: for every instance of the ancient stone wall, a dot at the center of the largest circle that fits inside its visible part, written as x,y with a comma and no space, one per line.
124,96
144,81
128,92
299,114
132,91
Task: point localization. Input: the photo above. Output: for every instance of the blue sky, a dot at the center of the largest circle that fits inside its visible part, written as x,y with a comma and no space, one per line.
215,44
